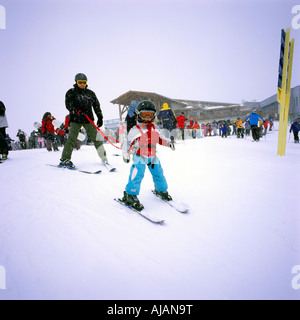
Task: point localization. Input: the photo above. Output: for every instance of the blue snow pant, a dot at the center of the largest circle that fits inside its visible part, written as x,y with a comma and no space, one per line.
137,173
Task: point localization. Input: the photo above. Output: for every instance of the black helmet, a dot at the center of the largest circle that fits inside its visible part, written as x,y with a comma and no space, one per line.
80,76
146,111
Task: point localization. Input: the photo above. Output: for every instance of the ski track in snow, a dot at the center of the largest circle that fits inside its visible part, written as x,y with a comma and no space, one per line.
63,237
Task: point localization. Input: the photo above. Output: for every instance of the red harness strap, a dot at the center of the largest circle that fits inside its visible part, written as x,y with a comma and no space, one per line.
104,135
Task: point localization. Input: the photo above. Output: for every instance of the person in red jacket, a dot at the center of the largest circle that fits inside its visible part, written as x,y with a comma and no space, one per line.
181,123
271,124
266,124
48,131
196,127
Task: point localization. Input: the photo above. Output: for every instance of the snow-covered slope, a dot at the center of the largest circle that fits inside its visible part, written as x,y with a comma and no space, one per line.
63,237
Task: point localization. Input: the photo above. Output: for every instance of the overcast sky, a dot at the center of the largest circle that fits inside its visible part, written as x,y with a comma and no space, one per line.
215,50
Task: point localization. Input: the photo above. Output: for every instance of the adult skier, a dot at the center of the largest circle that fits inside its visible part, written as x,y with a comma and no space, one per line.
3,125
81,101
141,141
253,118
295,127
168,119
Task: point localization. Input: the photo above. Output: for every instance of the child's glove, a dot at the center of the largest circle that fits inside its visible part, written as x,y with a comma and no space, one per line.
171,145
126,157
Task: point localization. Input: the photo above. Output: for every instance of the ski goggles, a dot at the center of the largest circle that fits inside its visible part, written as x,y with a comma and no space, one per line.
81,82
147,115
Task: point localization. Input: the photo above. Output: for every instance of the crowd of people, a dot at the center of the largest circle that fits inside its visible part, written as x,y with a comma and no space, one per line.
50,136
181,128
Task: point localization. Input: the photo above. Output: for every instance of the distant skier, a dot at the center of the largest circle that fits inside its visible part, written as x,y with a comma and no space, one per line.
181,123
247,128
295,127
214,127
168,119
22,138
234,126
80,101
141,141
254,118
224,130
196,130
220,123
266,125
32,140
3,125
271,124
48,132
240,128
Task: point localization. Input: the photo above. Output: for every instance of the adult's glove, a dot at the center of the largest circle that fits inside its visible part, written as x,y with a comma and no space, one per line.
126,157
100,122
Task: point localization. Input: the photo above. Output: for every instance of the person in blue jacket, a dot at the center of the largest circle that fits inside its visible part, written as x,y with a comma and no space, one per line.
168,119
295,127
253,118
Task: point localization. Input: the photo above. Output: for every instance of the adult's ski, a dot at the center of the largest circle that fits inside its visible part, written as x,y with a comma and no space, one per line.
75,169
180,207
141,213
109,167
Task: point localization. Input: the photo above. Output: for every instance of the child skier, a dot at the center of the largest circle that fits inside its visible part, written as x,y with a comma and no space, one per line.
141,141
224,130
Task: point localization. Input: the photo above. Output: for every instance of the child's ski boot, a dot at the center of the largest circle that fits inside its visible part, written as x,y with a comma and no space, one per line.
132,201
164,195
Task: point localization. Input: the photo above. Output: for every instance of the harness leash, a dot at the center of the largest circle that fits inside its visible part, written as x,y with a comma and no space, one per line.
106,137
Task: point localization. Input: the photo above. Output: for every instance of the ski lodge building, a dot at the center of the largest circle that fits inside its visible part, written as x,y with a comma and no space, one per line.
206,111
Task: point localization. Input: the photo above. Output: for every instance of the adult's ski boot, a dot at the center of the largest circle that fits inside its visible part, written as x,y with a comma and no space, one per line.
66,164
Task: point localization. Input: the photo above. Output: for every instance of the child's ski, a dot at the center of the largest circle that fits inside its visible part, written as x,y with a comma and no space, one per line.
180,207
143,214
75,169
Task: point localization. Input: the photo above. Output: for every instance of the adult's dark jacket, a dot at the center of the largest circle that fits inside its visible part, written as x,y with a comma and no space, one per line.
295,127
80,102
2,109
